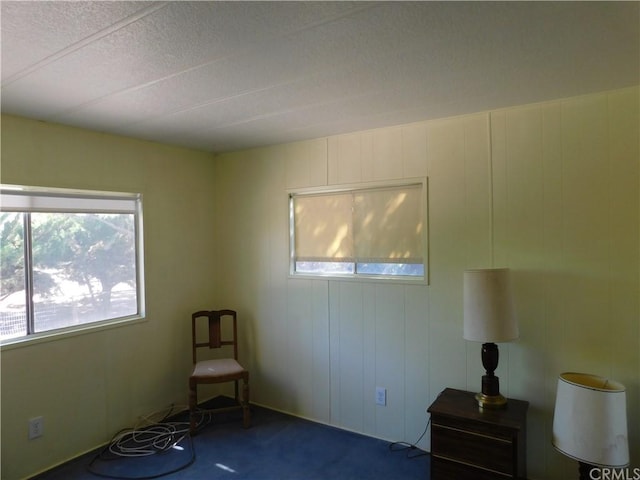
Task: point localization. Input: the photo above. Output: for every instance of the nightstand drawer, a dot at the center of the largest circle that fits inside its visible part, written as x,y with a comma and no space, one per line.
480,428
479,449
469,443
443,469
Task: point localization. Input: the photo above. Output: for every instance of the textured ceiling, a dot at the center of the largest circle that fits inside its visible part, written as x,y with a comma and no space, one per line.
223,76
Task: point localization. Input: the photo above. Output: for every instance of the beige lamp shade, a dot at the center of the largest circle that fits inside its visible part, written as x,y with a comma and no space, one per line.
488,306
590,420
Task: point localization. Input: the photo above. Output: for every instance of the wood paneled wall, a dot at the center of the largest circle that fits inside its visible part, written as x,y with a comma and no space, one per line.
550,190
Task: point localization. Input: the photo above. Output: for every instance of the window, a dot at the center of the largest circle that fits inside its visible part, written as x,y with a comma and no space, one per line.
68,259
376,231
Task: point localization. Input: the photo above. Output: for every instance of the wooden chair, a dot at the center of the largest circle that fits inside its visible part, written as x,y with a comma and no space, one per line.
220,370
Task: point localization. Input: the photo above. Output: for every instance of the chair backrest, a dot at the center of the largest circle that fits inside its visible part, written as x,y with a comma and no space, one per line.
215,332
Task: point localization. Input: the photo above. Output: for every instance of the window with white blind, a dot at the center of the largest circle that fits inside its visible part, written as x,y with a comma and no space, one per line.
373,231
69,259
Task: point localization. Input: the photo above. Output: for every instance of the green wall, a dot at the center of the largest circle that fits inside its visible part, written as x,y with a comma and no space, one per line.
91,385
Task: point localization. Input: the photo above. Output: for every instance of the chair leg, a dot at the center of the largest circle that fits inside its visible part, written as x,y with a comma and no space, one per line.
193,405
246,412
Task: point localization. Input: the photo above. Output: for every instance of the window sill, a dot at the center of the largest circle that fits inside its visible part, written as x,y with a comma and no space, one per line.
68,332
391,280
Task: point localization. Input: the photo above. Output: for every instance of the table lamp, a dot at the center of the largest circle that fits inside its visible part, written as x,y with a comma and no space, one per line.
489,318
590,422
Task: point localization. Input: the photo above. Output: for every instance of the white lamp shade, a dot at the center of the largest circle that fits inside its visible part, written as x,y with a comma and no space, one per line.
590,420
488,306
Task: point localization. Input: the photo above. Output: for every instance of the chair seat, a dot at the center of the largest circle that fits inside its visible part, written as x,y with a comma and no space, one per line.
217,368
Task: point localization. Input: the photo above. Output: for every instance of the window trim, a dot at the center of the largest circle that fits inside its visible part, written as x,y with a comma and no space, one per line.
59,197
354,187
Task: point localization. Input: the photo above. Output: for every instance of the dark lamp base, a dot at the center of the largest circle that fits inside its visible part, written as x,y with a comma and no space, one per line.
490,396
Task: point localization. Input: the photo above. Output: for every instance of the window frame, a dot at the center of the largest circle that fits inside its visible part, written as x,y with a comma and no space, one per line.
60,199
351,188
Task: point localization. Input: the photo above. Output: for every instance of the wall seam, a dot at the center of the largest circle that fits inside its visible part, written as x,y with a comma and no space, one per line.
491,189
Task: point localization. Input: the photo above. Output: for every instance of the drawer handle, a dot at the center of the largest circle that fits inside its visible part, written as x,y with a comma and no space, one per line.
472,433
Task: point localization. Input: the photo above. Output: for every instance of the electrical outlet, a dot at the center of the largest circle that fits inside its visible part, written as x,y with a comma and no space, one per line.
36,427
381,396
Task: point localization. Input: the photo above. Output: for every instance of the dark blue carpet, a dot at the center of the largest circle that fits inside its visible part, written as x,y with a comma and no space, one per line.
277,446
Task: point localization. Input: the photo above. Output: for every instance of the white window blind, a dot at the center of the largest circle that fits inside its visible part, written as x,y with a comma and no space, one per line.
22,199
377,231
388,225
324,231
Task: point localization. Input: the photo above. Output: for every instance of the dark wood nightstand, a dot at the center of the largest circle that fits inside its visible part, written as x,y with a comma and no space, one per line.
474,444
